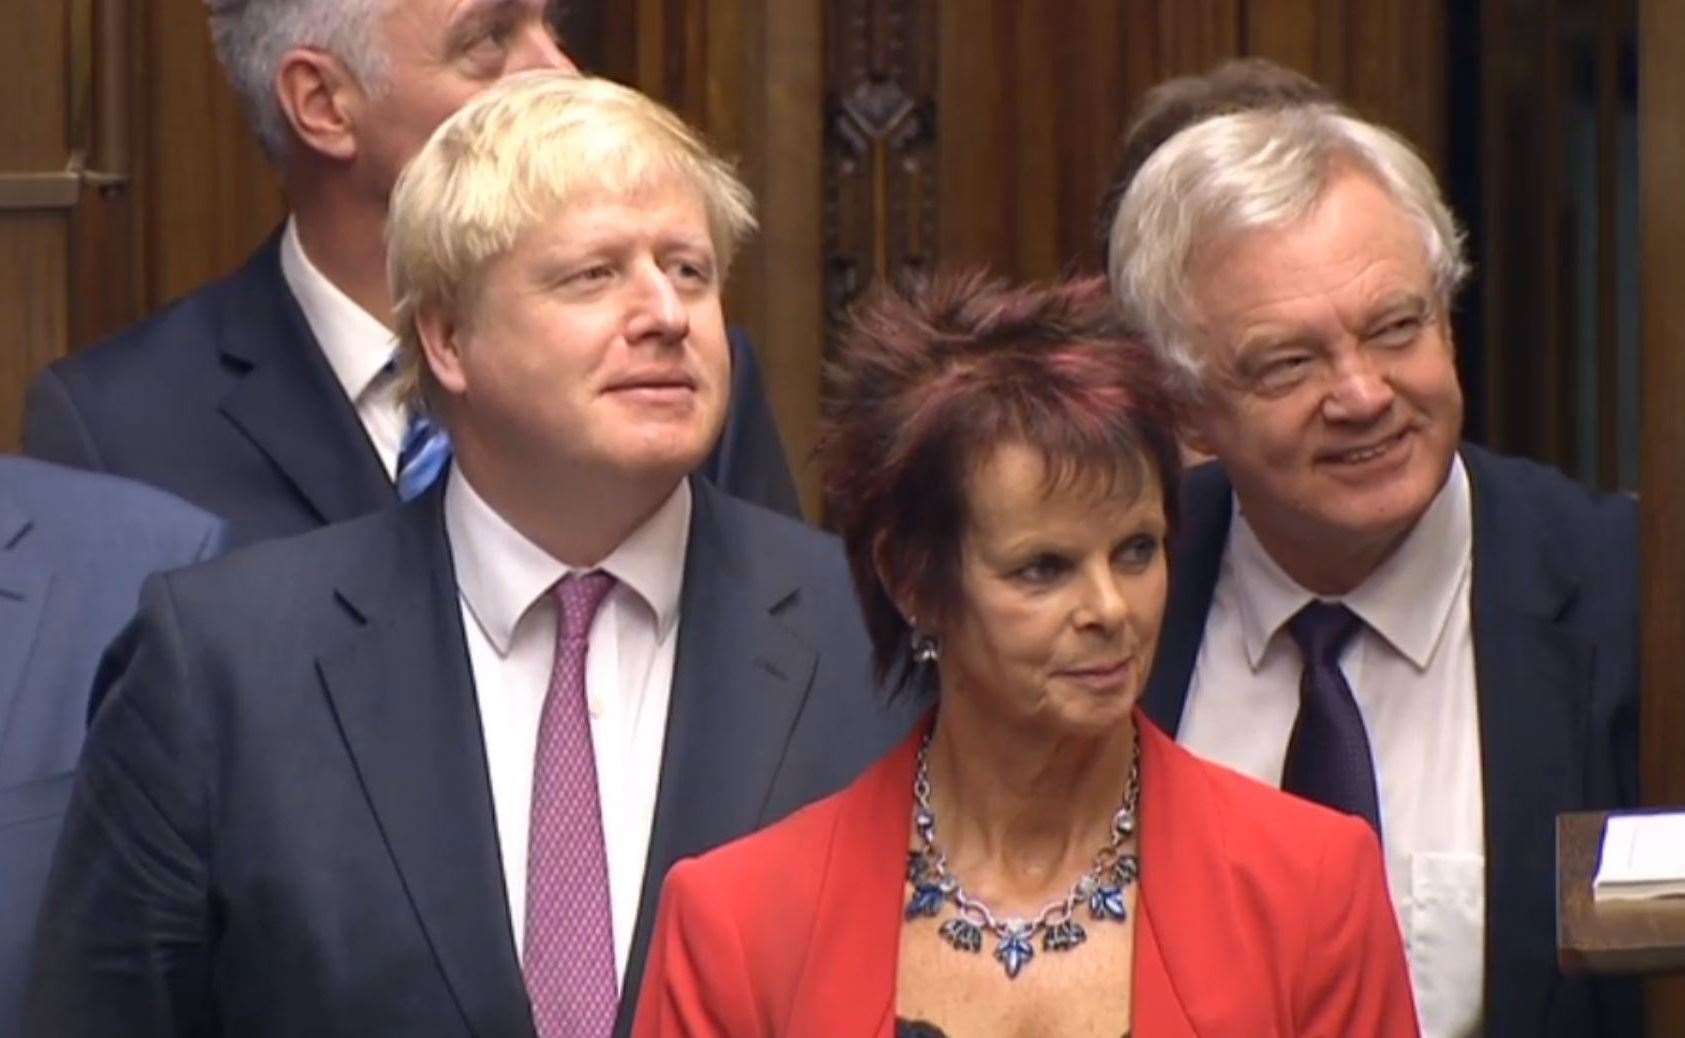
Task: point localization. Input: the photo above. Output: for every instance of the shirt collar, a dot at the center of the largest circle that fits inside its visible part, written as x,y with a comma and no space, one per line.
501,573
355,343
1407,600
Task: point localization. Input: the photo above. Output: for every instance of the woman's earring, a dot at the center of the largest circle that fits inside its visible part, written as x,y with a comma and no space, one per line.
925,649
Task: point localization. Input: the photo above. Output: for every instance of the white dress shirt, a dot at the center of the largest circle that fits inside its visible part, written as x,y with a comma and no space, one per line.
1411,669
504,582
356,344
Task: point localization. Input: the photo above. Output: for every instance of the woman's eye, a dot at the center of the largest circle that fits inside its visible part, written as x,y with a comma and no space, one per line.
1138,551
1041,570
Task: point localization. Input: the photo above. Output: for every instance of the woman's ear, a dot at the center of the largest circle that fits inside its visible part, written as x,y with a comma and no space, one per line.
887,578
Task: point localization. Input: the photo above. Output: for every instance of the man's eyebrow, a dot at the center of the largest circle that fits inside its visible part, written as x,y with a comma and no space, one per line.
473,11
1265,340
1412,301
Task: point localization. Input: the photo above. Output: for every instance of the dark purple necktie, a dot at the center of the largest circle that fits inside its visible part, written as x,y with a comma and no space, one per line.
1328,757
569,954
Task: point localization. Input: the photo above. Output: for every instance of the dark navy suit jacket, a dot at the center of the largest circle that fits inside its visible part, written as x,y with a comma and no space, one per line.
283,822
225,399
74,548
1555,615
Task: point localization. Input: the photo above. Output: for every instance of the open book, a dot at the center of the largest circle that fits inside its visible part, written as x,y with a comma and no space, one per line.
1643,858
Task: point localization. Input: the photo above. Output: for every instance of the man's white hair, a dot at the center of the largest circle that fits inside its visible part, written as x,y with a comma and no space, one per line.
1246,171
251,36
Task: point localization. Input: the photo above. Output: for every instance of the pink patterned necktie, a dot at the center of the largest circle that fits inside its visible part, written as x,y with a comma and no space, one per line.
569,955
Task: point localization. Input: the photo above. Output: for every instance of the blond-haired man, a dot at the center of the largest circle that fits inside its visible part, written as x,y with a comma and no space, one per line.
422,773
267,397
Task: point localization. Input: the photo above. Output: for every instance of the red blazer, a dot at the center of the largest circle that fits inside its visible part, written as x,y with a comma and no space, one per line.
1258,914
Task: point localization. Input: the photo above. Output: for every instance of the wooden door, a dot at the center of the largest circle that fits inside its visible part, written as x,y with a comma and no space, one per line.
127,176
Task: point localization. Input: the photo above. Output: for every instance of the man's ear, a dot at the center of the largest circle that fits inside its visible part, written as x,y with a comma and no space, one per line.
1192,429
441,348
320,99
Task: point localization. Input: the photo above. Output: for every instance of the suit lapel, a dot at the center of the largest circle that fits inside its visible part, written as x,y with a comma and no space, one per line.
404,696
23,598
1188,892
287,400
1530,669
848,976
740,677
1196,559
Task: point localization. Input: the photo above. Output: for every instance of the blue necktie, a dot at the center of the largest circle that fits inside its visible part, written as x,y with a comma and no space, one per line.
1328,757
422,455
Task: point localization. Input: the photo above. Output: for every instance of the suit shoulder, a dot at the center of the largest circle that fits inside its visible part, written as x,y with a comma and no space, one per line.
273,573
1547,495
771,538
780,528
94,509
150,351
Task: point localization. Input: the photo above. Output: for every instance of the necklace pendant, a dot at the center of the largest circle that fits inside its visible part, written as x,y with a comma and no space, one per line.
926,900
1107,903
1015,950
1063,936
962,934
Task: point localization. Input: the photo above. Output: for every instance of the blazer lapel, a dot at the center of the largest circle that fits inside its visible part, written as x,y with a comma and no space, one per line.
404,695
1529,670
23,598
1157,1005
1196,559
740,678
1187,893
847,983
287,400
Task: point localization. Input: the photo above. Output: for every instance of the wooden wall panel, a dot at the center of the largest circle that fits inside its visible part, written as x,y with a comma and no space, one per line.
34,138
1559,346
781,288
1661,99
1395,70
35,321
1193,35
1308,35
208,193
1033,97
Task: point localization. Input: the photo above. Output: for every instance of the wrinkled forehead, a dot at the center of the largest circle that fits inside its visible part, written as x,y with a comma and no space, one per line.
1353,232
440,22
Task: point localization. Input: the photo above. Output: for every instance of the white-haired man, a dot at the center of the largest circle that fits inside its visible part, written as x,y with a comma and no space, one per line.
268,397
1366,610
423,773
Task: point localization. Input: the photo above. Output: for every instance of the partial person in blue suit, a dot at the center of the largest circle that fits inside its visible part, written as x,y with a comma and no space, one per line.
268,397
1366,610
74,548
423,772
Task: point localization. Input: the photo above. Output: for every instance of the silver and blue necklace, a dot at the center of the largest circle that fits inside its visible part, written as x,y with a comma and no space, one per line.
1101,888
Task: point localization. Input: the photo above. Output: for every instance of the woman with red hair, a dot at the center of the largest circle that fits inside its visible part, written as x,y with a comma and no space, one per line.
1037,859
